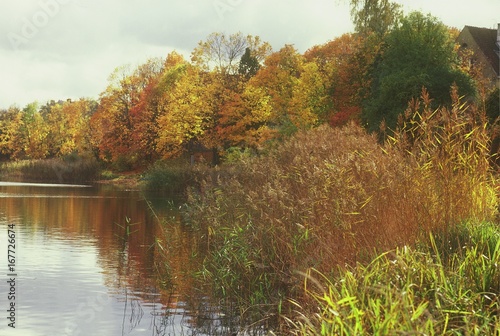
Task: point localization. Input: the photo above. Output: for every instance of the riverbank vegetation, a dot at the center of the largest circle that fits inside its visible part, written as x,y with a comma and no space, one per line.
449,286
346,190
334,199
68,169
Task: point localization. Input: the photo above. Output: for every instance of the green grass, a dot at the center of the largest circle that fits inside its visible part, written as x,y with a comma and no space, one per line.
430,290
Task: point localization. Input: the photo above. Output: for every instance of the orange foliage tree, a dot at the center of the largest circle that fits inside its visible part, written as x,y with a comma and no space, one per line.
344,71
68,124
245,119
289,92
113,124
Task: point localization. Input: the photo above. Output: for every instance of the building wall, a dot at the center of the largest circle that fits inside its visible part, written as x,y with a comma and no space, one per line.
466,40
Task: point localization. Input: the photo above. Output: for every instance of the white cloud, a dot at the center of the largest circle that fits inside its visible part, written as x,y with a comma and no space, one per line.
68,48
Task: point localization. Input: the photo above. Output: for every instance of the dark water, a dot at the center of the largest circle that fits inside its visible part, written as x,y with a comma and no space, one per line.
88,261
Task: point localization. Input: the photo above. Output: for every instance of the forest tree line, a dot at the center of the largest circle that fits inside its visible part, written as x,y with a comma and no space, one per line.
235,91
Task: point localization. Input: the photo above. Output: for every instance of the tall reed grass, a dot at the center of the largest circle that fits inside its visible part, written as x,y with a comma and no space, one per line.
70,169
333,197
417,291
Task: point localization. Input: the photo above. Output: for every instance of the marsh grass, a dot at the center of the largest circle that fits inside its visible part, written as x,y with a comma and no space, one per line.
172,176
334,197
450,151
411,291
72,169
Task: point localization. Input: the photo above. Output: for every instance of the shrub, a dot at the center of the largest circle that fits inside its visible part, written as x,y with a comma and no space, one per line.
124,163
173,176
235,154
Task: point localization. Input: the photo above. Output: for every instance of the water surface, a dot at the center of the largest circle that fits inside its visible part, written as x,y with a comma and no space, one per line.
87,263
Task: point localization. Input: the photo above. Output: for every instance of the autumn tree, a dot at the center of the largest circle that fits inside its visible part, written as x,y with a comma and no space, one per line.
112,124
342,75
311,101
286,94
246,119
185,113
149,108
417,53
153,115
227,63
280,78
24,133
374,16
35,132
68,124
12,141
221,53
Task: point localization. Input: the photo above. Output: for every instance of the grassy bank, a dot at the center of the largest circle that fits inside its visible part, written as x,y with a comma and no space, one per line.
173,176
71,169
423,290
332,199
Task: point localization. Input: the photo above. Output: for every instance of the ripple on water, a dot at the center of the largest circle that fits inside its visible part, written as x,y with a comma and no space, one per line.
79,279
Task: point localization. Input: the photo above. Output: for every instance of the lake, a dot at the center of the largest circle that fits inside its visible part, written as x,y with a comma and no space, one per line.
95,260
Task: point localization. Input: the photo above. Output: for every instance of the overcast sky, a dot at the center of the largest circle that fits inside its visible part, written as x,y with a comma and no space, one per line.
59,49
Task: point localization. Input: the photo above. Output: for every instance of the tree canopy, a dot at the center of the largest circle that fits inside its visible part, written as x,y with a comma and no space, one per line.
234,91
374,16
418,53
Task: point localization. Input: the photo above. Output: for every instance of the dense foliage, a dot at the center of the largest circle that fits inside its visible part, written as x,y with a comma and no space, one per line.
418,53
235,92
322,198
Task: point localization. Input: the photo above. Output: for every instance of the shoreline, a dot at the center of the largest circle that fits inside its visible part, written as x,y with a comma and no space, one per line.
131,180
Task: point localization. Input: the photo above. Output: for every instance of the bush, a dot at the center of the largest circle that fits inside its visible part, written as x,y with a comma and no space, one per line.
173,176
124,163
235,154
492,105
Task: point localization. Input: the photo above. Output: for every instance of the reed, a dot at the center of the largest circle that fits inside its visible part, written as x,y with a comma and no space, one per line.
334,197
71,169
411,291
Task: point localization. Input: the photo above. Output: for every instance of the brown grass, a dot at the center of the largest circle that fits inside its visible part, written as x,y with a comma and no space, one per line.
334,196
71,169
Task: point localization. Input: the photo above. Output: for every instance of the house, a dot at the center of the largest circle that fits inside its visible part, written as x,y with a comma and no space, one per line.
485,46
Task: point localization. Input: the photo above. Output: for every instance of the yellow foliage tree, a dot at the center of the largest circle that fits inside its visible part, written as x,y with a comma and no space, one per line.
185,113
69,127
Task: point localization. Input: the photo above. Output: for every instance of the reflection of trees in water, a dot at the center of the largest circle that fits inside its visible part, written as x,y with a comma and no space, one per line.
148,267
150,259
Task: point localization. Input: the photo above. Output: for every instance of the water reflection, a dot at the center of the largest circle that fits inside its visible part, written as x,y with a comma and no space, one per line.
86,263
